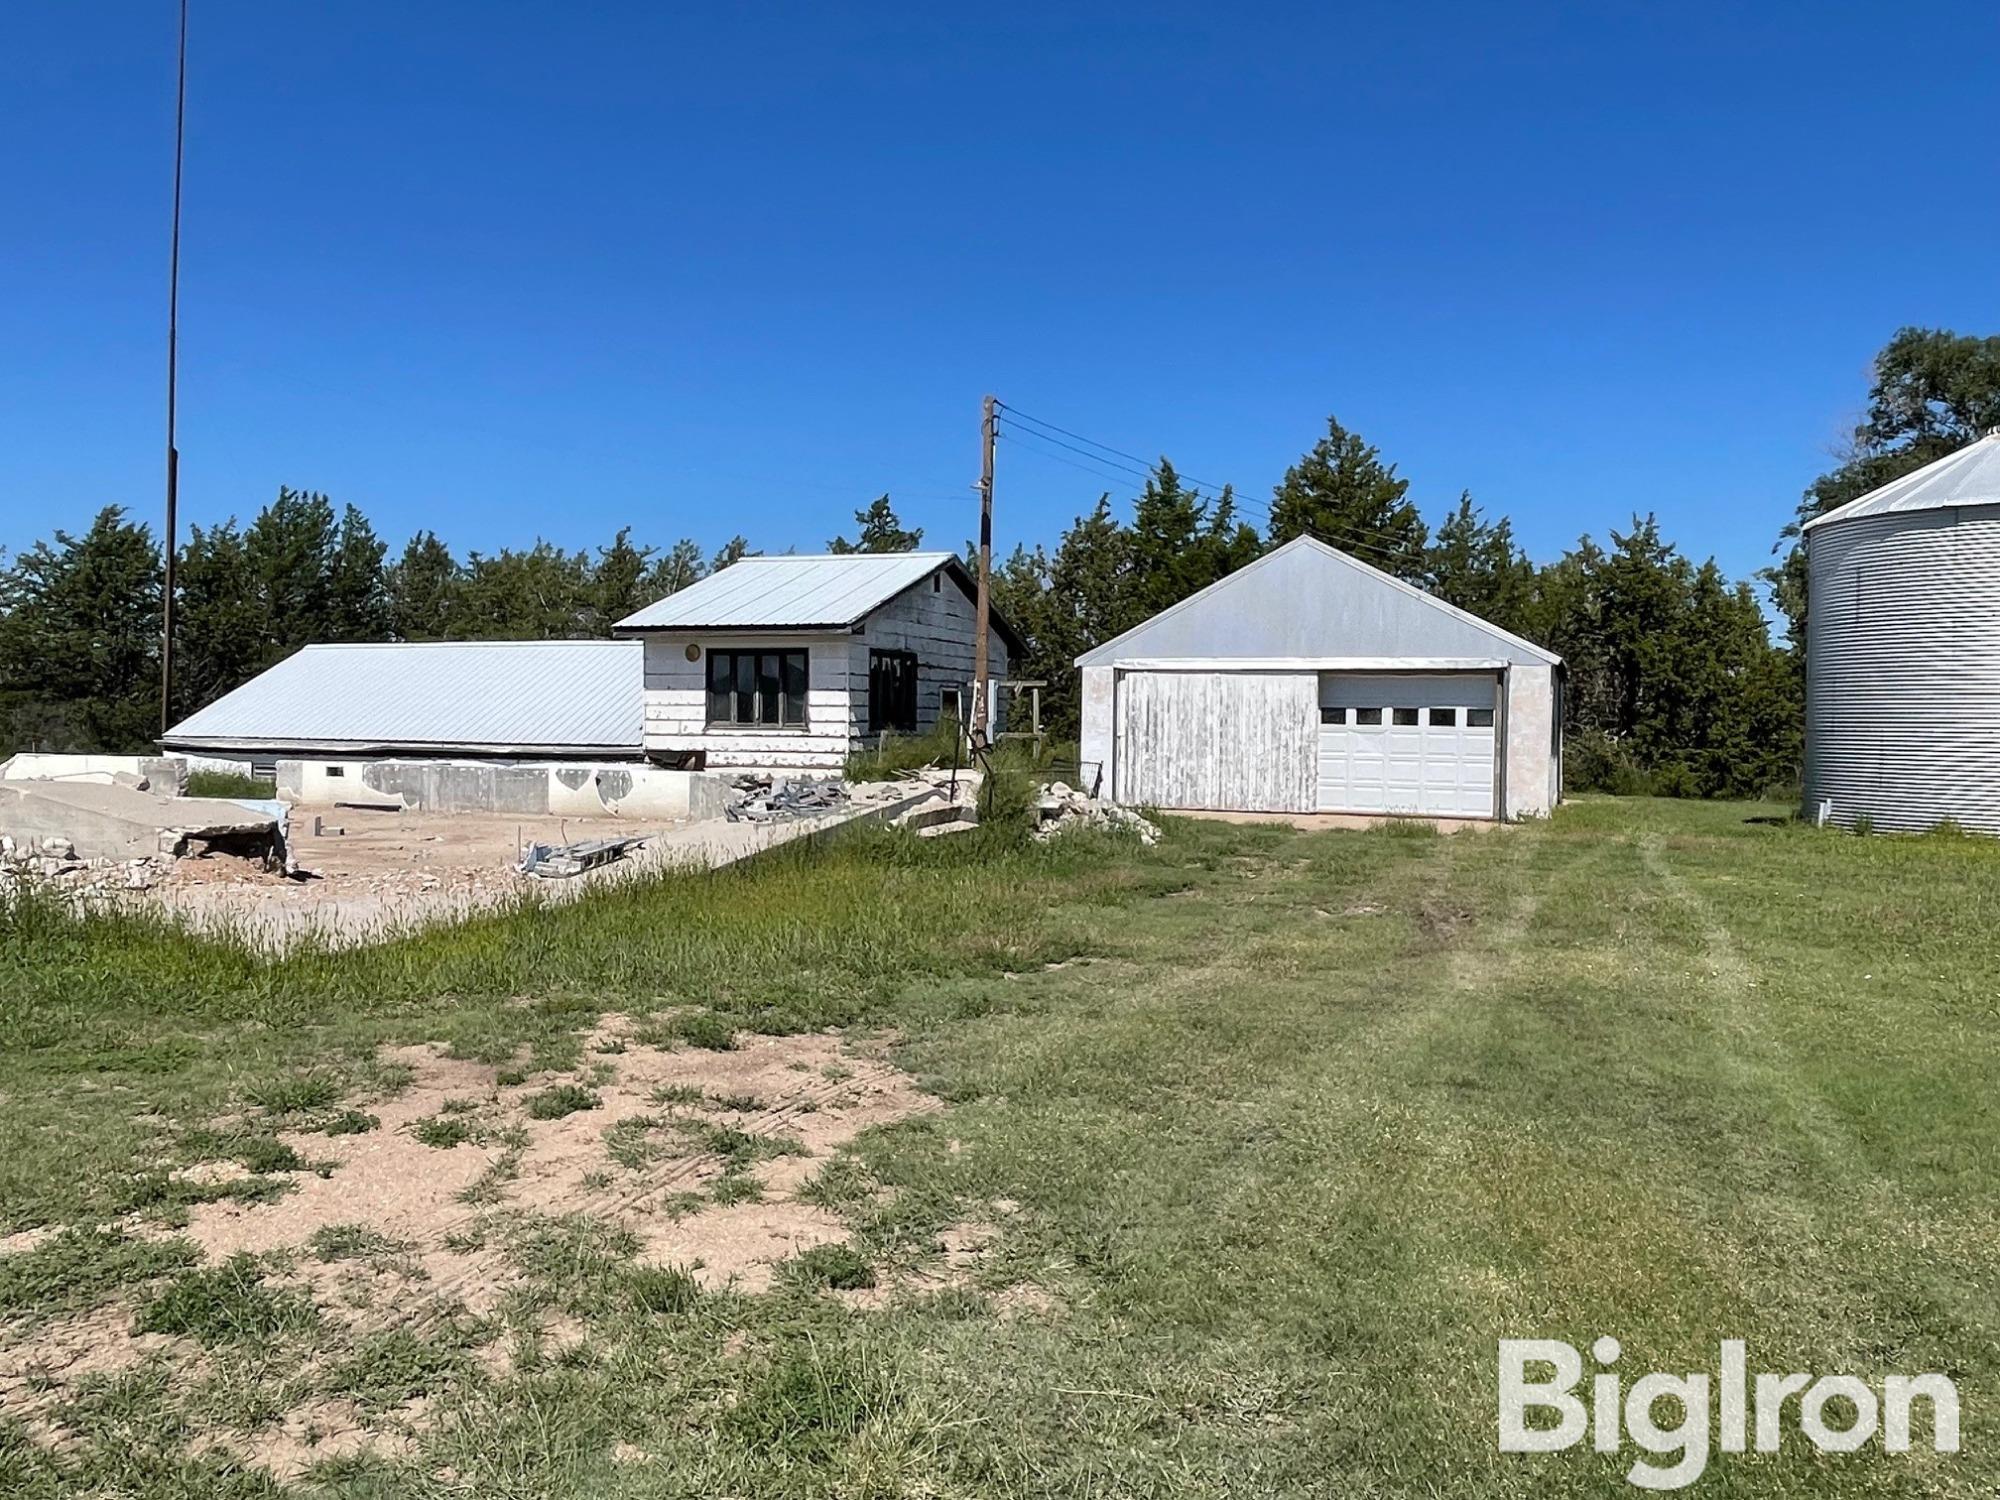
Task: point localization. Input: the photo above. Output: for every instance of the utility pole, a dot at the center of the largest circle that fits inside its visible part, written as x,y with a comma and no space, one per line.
989,421
173,363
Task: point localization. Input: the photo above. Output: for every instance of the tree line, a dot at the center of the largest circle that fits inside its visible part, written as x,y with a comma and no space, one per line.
1674,683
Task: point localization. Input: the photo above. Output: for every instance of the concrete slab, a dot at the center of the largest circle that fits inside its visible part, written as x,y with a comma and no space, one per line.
122,822
387,874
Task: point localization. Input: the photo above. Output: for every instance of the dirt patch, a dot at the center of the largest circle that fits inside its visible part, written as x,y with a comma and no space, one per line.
318,1431
414,1222
22,1241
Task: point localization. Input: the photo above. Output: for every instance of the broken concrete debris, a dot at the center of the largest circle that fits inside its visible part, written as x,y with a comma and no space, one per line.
54,861
561,861
1062,807
765,799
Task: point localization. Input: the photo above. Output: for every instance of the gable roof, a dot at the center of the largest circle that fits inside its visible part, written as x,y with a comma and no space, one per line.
1306,599
825,591
475,695
1966,476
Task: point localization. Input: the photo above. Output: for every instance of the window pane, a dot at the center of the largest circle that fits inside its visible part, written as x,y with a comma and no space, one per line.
1479,718
1406,716
767,688
719,669
795,687
745,711
1333,716
1444,716
1368,716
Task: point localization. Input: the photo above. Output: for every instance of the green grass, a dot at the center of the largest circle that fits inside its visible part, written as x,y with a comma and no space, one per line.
224,1303
841,1267
1278,1133
229,784
562,1099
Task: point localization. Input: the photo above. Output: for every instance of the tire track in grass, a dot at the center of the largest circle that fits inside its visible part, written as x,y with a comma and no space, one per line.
1860,1211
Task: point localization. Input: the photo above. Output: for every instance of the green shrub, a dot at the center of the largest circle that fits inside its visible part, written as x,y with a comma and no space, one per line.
906,752
229,784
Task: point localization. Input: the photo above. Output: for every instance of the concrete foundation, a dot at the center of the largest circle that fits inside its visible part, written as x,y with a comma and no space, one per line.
553,789
121,822
162,773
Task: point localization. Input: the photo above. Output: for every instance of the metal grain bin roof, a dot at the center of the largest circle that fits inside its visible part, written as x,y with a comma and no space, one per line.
1970,476
476,696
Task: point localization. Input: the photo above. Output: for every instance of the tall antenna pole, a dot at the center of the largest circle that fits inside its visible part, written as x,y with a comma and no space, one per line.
989,421
173,363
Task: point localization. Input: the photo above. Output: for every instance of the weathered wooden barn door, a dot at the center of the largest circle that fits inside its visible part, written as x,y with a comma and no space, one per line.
1218,741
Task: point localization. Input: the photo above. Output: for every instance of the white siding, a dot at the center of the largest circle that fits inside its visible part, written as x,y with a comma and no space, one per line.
937,625
1241,741
677,702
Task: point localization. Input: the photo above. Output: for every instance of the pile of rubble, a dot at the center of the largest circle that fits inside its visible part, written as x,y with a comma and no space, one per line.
54,861
1062,807
764,799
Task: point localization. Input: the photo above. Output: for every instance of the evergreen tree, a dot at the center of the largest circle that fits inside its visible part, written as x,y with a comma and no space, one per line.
80,640
542,594
1341,492
677,567
618,582
1476,566
733,551
421,589
357,602
289,554
218,620
881,531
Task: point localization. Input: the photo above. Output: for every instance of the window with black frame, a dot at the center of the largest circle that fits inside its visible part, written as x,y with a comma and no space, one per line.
757,688
892,691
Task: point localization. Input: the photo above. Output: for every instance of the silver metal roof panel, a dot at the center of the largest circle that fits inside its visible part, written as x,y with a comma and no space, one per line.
446,694
791,593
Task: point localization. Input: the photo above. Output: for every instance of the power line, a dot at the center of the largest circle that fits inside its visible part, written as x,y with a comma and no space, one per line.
1116,476
1150,468
1359,538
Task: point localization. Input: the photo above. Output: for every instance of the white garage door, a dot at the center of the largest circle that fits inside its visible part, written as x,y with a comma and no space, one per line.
1415,744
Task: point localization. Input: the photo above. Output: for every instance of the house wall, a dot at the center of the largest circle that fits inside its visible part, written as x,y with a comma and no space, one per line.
1531,777
936,625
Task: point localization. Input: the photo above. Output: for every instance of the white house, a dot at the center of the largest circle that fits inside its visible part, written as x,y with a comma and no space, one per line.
793,662
1311,682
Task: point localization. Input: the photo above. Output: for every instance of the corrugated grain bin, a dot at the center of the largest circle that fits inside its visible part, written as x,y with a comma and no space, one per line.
1903,650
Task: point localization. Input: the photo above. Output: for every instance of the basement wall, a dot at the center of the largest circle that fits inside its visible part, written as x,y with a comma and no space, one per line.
566,789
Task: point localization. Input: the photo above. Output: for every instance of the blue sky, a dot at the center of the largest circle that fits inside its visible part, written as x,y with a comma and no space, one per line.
508,270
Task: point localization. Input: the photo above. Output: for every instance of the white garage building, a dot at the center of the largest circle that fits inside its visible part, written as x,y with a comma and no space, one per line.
1311,682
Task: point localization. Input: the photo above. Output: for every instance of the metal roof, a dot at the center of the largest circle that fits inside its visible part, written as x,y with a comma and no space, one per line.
793,593
1970,476
472,695
1307,601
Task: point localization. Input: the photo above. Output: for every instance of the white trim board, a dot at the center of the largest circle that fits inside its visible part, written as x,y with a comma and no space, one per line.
1311,664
